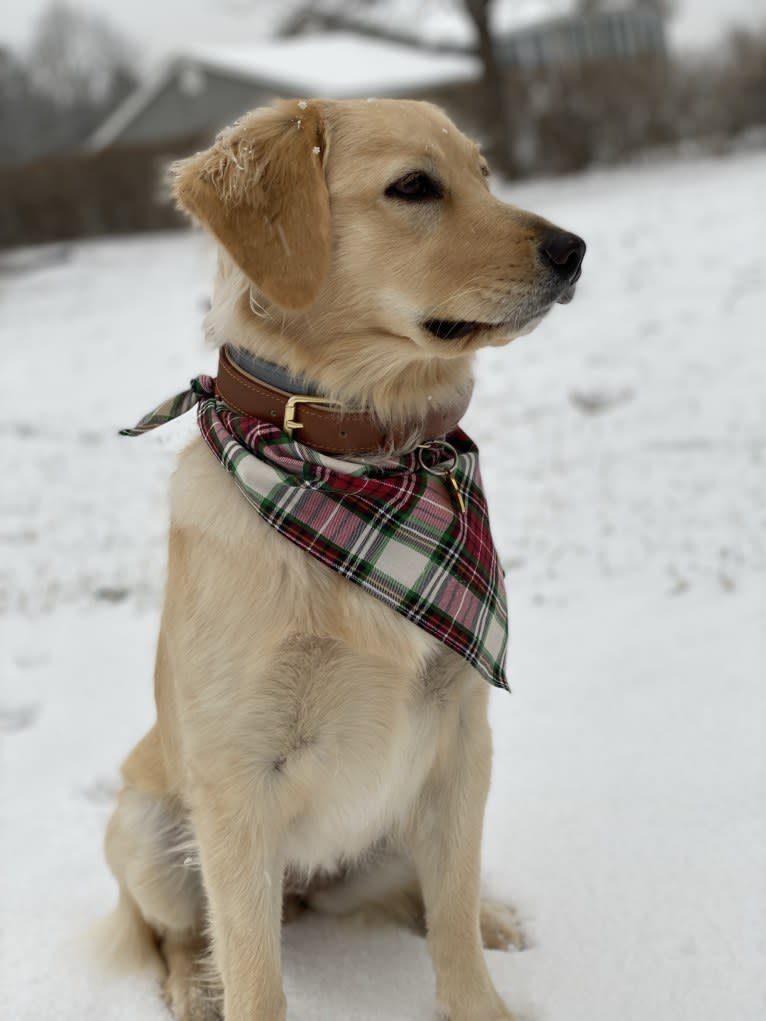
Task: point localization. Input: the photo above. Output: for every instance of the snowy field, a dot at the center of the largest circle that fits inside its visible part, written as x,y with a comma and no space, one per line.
624,447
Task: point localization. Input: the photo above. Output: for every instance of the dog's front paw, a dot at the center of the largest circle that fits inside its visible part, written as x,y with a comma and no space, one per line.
500,927
191,1002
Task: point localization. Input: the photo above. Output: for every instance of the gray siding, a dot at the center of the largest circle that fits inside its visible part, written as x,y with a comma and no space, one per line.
612,35
194,102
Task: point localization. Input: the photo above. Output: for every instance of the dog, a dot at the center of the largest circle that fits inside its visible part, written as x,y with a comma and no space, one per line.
313,747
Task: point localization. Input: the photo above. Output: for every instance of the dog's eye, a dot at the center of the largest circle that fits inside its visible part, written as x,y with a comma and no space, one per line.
415,187
485,169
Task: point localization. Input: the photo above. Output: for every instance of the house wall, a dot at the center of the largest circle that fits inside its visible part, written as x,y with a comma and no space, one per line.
194,102
606,36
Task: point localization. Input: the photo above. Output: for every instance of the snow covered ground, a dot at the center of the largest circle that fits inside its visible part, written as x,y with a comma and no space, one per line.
624,447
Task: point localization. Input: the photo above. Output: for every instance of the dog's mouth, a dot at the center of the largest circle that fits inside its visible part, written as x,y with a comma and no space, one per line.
456,329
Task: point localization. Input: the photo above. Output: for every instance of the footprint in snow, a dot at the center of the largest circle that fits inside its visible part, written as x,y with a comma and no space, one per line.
16,718
597,400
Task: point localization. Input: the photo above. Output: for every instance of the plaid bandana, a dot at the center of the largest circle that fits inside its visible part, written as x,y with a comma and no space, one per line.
396,528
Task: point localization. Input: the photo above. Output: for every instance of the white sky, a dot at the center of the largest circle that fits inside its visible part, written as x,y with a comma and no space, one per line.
160,26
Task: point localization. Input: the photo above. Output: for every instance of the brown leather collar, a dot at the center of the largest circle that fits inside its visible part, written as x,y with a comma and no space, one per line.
322,424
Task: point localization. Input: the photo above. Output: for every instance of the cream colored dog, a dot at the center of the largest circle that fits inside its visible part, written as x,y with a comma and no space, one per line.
304,729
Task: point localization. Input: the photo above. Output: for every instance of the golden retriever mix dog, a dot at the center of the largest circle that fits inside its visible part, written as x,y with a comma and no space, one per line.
313,747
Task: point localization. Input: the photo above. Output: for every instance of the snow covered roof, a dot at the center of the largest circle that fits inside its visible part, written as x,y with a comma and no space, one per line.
335,65
338,64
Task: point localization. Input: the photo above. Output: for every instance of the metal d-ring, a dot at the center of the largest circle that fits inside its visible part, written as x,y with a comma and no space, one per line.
440,469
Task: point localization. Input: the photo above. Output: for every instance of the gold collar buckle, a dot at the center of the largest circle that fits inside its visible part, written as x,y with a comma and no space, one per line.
289,421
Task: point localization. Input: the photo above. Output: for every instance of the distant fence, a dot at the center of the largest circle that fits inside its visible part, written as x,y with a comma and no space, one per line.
85,194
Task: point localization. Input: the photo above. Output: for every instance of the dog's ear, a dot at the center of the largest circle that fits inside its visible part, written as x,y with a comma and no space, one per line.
261,190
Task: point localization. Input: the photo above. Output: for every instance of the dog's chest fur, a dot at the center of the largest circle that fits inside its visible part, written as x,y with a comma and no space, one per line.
318,686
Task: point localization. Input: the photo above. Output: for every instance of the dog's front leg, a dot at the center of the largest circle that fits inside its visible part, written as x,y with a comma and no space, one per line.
444,841
242,870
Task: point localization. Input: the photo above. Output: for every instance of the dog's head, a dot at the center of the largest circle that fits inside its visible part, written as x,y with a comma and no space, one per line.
374,219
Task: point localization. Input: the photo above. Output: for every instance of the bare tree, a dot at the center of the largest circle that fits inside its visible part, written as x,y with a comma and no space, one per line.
76,70
495,85
77,59
15,103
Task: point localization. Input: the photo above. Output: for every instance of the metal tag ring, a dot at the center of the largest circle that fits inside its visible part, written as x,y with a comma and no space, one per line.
438,469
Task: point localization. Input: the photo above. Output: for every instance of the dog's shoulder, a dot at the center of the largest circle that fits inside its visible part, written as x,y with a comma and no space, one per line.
204,498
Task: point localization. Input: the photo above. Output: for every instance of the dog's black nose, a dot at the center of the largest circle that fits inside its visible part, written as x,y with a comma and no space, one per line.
564,252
